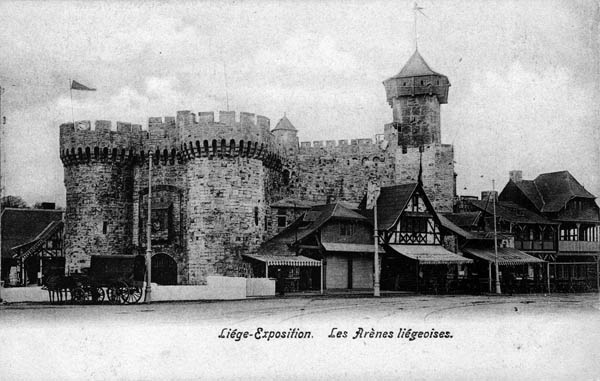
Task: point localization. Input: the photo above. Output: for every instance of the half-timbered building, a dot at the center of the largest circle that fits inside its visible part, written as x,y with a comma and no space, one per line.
560,198
409,229
32,245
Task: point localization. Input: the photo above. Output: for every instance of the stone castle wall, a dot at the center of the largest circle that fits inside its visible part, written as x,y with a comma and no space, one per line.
438,172
326,171
214,176
218,179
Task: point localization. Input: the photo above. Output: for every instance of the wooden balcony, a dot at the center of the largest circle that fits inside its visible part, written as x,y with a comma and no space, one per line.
534,245
578,246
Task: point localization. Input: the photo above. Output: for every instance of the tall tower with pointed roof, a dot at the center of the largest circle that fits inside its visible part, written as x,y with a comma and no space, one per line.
415,95
286,135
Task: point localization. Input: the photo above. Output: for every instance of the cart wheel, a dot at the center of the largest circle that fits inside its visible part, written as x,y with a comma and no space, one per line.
97,294
118,293
135,294
78,295
112,292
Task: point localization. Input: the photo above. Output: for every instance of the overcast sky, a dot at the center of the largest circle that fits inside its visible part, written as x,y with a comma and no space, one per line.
525,75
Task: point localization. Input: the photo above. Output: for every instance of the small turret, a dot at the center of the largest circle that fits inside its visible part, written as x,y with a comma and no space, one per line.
286,135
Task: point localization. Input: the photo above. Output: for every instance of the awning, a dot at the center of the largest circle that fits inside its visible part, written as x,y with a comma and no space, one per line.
429,254
506,256
284,260
350,247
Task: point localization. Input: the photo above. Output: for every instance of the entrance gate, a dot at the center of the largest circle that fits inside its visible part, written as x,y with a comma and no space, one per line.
164,269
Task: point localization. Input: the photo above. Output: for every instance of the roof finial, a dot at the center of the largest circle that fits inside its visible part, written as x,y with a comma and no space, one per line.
416,9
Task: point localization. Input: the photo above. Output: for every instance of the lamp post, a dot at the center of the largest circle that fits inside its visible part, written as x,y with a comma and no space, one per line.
1,188
498,291
373,191
148,294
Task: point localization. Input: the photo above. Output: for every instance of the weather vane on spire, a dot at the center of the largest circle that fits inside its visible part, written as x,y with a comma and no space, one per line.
417,9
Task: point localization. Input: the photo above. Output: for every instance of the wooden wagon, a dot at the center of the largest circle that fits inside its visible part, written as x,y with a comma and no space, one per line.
117,278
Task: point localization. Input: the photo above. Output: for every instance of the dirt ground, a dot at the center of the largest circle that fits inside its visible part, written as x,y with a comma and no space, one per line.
408,337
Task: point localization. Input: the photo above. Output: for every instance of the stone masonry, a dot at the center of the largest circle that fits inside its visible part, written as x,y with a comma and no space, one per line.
213,181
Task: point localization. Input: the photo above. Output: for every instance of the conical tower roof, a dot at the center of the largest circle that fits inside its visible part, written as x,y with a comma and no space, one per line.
417,78
285,124
415,67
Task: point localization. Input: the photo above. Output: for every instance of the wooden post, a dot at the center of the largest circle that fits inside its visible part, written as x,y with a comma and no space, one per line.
598,273
321,276
417,266
548,275
267,270
41,271
490,276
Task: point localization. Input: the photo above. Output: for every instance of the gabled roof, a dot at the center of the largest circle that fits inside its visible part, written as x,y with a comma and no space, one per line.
465,219
285,124
309,223
557,188
528,188
550,192
25,250
447,224
415,67
509,211
390,204
20,226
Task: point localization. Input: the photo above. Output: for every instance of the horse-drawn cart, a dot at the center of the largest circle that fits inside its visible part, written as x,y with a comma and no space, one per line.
116,278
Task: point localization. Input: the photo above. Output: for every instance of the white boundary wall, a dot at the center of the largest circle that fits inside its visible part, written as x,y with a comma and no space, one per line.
216,288
260,287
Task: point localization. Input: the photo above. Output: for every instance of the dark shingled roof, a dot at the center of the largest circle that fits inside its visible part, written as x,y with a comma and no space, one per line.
310,222
446,223
550,192
557,188
509,211
20,226
415,67
531,192
284,124
390,204
464,220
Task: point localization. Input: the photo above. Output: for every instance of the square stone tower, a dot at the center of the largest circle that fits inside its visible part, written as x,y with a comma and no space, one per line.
415,95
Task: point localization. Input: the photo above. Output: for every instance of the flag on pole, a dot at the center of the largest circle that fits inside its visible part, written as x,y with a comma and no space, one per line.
373,191
78,86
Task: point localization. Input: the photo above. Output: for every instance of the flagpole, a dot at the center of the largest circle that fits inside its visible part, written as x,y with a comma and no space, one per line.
415,21
71,95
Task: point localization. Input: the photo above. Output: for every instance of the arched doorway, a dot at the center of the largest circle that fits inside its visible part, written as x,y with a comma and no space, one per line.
164,269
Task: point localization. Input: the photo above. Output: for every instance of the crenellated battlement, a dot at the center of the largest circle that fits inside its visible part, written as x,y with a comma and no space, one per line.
184,136
80,142
320,147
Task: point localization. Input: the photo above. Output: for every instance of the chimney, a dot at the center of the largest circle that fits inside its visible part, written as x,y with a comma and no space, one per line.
515,175
490,194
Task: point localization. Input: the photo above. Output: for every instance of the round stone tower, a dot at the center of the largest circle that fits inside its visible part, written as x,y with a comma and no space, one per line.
229,167
99,181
